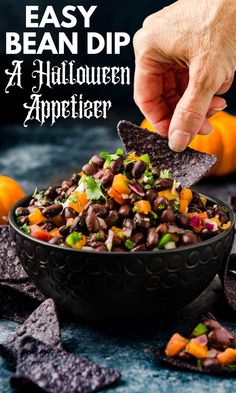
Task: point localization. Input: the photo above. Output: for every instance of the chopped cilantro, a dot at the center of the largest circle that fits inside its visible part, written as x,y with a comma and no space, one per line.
148,177
35,192
111,157
225,210
25,228
165,174
72,198
129,244
93,188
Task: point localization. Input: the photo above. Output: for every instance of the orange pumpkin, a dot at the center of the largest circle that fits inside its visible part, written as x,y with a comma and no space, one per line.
220,142
10,193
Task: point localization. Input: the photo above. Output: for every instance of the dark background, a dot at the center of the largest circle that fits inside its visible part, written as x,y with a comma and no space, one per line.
110,15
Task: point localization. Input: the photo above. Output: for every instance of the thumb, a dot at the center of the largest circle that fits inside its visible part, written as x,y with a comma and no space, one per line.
190,114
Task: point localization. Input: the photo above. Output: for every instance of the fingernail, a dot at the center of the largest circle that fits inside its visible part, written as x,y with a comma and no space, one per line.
216,110
179,140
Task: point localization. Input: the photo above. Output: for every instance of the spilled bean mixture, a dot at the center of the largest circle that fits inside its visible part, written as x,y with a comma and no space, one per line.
121,203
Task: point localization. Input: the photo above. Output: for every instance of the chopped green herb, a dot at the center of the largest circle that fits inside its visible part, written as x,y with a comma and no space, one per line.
145,158
199,330
232,366
176,205
165,174
225,210
73,238
161,206
154,215
119,151
35,192
72,198
25,228
134,209
129,244
199,363
148,177
165,239
93,189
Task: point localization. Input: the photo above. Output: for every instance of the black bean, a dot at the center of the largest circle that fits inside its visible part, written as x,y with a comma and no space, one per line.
94,243
142,221
102,248
125,210
141,247
200,204
112,204
92,222
193,208
48,226
68,212
223,217
66,184
50,193
160,203
23,220
212,324
64,230
117,165
138,169
219,338
52,210
210,212
102,224
156,172
151,195
211,364
119,249
206,234
167,216
89,169
163,184
75,178
99,209
112,218
56,240
137,238
128,166
189,238
182,220
162,229
152,238
97,161
107,179
21,211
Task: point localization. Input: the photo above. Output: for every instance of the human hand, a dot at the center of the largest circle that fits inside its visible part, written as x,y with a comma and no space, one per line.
185,55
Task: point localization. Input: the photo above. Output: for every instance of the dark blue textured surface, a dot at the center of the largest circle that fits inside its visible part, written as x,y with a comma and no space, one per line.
42,156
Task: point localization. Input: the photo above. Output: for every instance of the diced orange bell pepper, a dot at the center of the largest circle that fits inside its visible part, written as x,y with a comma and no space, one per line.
80,243
36,217
226,226
143,206
80,202
120,184
203,215
169,195
118,232
227,357
133,157
175,345
197,350
217,221
116,195
55,232
183,206
186,194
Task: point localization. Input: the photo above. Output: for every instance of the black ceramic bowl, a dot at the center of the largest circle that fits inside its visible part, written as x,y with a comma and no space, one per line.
96,285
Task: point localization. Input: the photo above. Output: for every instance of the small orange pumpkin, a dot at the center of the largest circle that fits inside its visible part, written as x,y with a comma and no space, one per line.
10,193
221,142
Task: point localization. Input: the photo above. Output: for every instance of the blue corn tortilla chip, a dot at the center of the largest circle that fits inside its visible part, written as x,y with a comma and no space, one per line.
26,288
42,324
57,371
187,167
10,265
230,282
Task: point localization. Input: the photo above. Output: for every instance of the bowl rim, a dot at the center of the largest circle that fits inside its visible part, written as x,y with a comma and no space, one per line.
22,202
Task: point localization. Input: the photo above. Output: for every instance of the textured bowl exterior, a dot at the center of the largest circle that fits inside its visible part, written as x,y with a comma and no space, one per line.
97,285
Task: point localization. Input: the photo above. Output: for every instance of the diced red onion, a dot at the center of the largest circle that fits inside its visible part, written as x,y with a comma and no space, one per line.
137,189
212,353
201,340
98,174
194,221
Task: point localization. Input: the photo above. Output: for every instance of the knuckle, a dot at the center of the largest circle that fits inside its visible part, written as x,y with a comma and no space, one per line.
189,114
149,19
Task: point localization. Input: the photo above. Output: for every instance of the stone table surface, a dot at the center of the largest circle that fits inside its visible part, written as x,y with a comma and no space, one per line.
41,156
